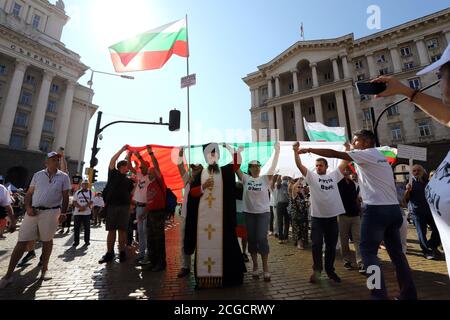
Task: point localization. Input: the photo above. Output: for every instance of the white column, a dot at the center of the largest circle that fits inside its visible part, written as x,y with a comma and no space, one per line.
341,109
257,97
447,36
270,88
335,68
371,64
277,86
280,123
9,5
271,123
252,93
423,54
347,74
64,116
12,99
318,109
299,121
352,109
29,17
313,67
295,80
395,59
34,137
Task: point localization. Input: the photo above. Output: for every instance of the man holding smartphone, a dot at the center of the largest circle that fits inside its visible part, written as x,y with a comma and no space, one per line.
47,198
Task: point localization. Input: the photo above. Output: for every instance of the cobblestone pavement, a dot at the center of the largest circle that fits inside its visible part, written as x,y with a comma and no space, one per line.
77,275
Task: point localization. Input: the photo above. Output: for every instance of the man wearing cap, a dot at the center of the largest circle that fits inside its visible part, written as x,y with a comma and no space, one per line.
47,198
211,223
82,202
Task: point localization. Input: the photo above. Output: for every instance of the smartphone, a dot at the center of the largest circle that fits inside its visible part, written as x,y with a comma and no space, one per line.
370,87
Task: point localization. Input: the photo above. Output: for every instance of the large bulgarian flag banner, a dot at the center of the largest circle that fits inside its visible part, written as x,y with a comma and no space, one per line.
152,49
319,132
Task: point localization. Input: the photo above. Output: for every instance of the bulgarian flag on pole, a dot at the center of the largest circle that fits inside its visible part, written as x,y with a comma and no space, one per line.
389,153
152,49
320,132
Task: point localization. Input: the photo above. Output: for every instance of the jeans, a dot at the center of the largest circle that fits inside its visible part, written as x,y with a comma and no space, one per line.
382,223
283,220
422,220
257,225
156,238
324,230
86,221
350,226
271,219
142,231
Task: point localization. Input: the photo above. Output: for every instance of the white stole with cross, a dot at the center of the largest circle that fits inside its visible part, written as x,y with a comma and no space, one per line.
209,249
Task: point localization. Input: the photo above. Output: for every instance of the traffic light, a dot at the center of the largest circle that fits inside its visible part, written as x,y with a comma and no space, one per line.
94,160
94,175
174,120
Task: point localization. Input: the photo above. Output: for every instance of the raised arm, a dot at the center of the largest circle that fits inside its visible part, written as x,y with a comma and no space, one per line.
181,168
129,163
344,163
433,106
154,161
327,153
237,159
276,157
298,161
112,163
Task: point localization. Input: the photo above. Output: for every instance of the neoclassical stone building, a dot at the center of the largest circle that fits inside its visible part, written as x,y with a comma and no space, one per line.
315,79
42,107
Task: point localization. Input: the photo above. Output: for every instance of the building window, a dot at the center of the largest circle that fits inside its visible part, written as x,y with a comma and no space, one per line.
327,76
383,71
16,10
414,83
333,122
3,70
36,21
408,65
331,106
308,81
54,88
360,77
17,141
366,115
358,65
435,58
424,128
48,125
21,119
29,79
393,111
291,86
52,106
25,99
264,116
45,145
311,110
432,43
396,132
405,51
381,58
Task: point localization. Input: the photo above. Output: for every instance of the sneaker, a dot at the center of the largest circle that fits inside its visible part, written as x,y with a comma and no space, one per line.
87,244
300,245
361,269
245,257
30,255
75,244
267,276
45,276
348,266
5,282
429,256
122,257
437,254
108,257
255,274
144,261
183,273
61,231
315,277
333,276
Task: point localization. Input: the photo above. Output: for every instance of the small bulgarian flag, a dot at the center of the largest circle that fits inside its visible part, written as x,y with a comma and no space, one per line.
152,49
389,153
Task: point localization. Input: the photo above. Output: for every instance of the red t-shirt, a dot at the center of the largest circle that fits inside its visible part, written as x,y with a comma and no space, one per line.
156,195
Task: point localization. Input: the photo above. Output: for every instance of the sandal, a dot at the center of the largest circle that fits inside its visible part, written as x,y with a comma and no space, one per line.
266,276
255,275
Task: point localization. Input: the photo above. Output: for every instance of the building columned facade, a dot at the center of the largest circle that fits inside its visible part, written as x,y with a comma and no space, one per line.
316,80
42,107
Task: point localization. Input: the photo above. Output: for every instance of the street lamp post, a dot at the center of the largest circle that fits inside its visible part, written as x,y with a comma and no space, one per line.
84,133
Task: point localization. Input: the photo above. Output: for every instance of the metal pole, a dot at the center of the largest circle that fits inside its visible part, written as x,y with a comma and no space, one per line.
84,134
188,100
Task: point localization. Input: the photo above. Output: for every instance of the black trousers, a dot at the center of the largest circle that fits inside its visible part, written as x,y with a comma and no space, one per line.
324,229
68,221
283,220
78,221
131,228
156,238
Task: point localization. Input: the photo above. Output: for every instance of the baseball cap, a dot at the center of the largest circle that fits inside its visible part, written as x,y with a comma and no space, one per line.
85,181
53,154
443,60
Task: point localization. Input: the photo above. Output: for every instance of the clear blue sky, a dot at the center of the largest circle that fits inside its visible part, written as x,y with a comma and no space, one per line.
228,40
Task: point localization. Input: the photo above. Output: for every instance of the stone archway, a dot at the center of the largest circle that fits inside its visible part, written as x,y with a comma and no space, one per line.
18,176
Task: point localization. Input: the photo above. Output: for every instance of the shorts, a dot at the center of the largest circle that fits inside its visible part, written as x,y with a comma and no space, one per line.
117,217
40,227
3,223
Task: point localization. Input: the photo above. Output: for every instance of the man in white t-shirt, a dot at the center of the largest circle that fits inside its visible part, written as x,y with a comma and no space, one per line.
382,216
82,203
6,210
326,206
98,206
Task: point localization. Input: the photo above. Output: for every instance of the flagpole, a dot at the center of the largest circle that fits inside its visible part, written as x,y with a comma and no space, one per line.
188,100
